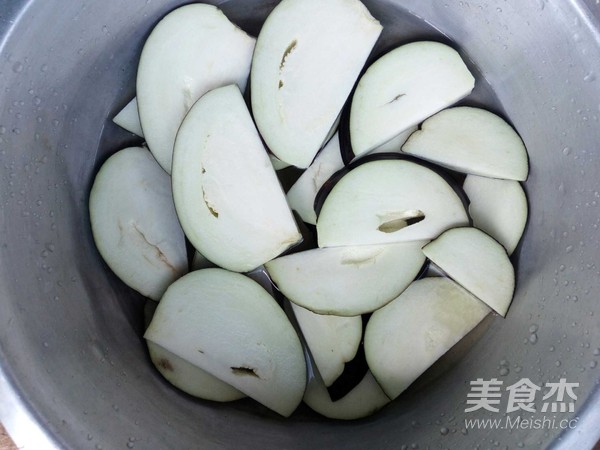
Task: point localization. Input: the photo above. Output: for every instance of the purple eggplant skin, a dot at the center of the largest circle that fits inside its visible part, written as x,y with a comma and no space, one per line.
454,179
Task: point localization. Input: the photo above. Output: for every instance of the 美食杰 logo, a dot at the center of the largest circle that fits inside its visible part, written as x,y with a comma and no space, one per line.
524,396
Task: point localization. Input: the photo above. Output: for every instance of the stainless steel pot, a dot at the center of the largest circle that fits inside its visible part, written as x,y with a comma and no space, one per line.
75,372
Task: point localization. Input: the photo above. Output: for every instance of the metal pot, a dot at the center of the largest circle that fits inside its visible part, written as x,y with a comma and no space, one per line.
75,372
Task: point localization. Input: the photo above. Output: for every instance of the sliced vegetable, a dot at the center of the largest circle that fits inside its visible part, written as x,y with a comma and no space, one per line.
129,118
404,87
229,326
408,335
332,340
478,263
134,224
227,195
473,141
388,200
308,56
191,51
499,208
347,281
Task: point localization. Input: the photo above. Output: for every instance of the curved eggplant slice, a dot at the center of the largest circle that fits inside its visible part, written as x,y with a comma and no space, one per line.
454,180
388,200
228,325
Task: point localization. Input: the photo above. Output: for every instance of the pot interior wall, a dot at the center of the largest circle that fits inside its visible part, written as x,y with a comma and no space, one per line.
70,332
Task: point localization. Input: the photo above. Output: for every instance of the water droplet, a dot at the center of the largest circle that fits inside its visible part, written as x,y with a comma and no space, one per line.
130,445
444,431
569,249
533,328
46,345
590,77
593,364
557,363
597,352
551,348
44,68
504,371
464,431
37,101
533,338
90,437
17,67
561,188
105,29
566,151
499,10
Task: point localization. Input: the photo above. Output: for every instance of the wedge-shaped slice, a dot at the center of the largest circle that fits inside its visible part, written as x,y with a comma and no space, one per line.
408,335
498,207
362,401
385,201
182,374
189,378
228,199
471,140
191,51
347,281
404,87
308,56
301,196
478,263
134,222
332,340
129,118
228,325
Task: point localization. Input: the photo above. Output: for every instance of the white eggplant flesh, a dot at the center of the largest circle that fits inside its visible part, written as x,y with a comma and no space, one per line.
227,195
498,207
478,263
129,118
394,145
301,196
403,88
404,338
350,280
192,50
191,379
308,56
228,325
134,223
472,141
332,340
387,201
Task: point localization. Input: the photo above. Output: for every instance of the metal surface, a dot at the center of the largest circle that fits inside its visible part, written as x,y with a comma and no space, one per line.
73,361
